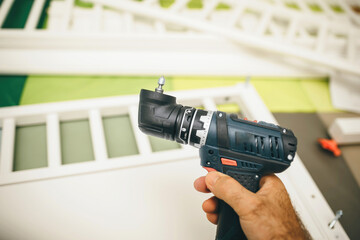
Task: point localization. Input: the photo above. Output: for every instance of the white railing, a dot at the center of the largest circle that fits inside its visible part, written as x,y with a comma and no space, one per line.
144,38
316,39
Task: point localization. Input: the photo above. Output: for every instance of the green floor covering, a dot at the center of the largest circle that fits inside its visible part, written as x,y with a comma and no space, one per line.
11,88
279,94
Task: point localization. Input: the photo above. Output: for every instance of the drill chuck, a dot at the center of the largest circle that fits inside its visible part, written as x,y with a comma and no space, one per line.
160,116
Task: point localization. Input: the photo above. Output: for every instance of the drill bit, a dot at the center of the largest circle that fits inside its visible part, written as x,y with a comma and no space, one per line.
161,83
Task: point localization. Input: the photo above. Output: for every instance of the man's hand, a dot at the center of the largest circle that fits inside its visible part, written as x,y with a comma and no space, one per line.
267,214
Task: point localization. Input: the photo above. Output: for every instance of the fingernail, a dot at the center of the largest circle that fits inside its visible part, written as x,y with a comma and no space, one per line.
212,177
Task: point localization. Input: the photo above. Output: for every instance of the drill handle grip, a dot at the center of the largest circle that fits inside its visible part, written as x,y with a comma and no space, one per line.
228,225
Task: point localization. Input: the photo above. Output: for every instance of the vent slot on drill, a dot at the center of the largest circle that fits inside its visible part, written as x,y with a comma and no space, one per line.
267,146
249,165
274,147
259,145
251,143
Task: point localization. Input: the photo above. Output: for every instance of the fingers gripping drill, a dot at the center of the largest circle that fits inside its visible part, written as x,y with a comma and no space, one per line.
242,149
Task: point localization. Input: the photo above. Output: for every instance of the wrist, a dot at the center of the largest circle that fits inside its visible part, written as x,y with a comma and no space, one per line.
292,230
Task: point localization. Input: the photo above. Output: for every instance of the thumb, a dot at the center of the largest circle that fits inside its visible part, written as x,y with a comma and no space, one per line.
231,191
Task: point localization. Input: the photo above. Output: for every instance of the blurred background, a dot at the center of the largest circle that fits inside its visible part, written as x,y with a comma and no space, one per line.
301,56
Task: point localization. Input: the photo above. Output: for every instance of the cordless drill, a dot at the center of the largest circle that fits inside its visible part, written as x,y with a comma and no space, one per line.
242,149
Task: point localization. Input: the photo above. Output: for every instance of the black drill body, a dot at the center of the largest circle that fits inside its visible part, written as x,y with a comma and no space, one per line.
242,149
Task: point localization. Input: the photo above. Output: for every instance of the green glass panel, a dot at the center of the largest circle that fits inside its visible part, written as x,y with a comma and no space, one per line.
195,4
1,2
222,6
315,7
76,144
337,8
18,14
166,3
251,11
119,136
42,24
292,5
30,147
80,3
159,144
